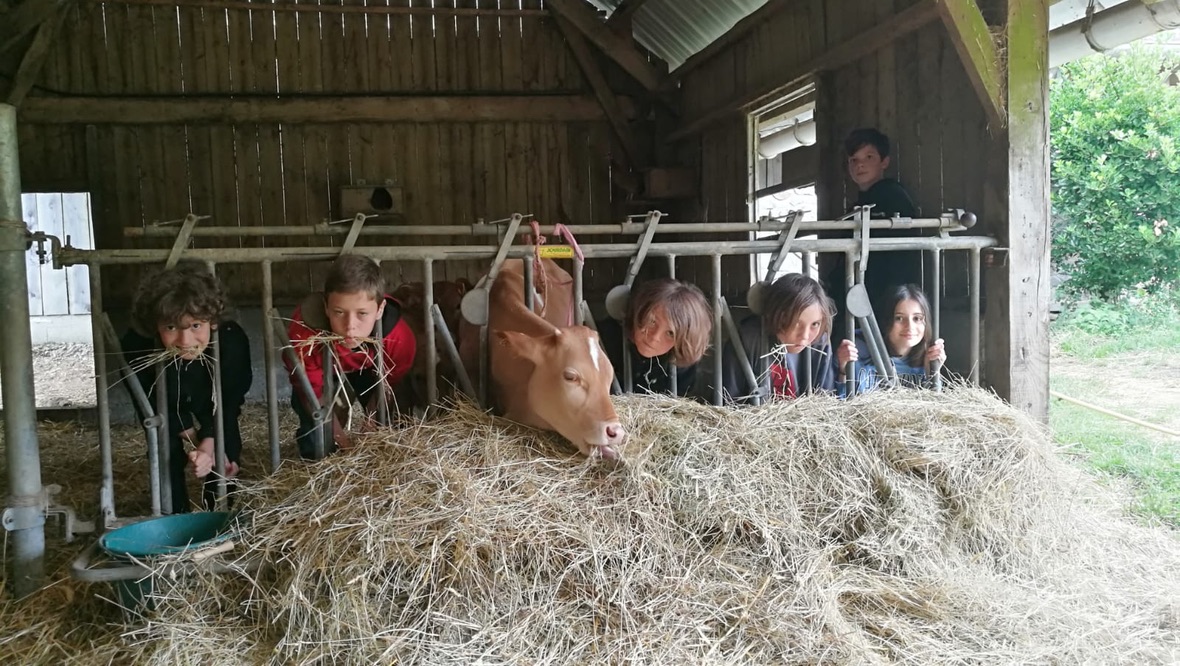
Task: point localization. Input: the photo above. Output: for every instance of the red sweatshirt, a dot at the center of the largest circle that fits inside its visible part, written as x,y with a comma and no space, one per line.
399,344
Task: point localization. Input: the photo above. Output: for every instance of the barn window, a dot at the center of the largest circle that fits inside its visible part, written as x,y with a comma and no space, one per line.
785,162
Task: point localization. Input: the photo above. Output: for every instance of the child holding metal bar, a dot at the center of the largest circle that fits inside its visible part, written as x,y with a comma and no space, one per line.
355,321
667,321
908,340
788,346
174,315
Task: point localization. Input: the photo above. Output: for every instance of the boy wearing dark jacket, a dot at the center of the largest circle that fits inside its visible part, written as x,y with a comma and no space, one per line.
175,313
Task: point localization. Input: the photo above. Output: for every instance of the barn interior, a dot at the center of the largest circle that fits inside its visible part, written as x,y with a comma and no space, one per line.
277,123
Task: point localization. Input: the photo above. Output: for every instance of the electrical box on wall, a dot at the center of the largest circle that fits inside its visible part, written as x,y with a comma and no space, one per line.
371,199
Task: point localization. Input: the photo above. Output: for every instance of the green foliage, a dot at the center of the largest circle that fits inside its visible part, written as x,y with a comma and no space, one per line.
1136,321
1116,173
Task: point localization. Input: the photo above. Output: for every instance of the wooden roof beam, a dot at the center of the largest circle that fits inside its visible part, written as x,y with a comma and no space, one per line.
836,56
619,48
620,20
289,6
179,110
977,50
34,59
24,19
606,97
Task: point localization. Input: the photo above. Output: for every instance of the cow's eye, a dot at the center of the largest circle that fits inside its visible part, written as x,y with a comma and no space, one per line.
569,375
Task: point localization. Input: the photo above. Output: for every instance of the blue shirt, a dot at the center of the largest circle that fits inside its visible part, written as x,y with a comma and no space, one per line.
867,378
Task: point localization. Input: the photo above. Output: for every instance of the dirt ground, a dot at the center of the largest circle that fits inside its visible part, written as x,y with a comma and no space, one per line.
63,375
1142,385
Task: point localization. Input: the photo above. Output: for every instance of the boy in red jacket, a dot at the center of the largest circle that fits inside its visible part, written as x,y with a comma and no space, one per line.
345,317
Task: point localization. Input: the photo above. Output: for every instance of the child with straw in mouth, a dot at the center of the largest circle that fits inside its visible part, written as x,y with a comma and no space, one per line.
174,315
795,325
346,317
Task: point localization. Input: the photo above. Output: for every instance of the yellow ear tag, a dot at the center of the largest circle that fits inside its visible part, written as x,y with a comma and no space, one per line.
556,252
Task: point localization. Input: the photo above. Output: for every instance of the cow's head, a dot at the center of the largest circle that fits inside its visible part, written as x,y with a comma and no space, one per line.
569,388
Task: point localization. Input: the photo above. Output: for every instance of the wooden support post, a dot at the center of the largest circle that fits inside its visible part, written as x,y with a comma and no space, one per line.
606,97
973,42
1017,319
618,48
30,65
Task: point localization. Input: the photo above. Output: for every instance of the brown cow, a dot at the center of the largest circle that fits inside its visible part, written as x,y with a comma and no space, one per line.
411,392
545,372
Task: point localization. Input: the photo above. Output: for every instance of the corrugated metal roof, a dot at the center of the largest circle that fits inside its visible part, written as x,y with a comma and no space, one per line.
676,29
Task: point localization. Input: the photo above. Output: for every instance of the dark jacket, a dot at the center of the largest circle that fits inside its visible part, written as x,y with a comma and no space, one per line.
189,384
889,198
768,360
888,269
648,375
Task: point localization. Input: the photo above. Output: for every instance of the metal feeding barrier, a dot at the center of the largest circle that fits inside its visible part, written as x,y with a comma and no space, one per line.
654,240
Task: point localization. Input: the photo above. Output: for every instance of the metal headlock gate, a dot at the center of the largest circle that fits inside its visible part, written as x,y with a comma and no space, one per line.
503,233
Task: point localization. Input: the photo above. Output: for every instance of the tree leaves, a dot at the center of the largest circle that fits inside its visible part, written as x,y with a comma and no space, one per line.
1115,165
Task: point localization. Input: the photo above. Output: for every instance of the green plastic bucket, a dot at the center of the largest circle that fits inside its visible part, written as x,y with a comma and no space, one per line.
167,535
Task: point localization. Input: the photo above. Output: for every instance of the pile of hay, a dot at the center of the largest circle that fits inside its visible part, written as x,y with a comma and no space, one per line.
901,527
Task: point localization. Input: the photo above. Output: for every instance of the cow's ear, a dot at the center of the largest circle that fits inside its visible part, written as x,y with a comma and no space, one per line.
524,346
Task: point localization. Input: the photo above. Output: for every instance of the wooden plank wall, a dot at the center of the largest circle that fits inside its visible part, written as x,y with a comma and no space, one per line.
722,151
915,90
269,174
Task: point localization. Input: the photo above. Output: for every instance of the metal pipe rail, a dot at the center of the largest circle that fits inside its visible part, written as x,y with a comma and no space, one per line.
276,337
950,222
67,256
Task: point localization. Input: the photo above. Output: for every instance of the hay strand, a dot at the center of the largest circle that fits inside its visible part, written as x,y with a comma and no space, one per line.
902,526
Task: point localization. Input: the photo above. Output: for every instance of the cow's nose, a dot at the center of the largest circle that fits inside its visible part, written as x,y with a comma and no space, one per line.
615,433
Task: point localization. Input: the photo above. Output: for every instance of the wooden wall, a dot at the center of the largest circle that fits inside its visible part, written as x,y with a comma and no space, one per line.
914,89
289,173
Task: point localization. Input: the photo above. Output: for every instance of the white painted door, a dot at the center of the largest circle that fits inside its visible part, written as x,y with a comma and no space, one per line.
59,292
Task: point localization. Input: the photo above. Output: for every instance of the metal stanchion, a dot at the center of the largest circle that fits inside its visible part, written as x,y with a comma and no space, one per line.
268,352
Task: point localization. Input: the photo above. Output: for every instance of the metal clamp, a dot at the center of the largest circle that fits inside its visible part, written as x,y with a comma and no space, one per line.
182,238
25,511
24,517
785,238
474,305
354,232
619,296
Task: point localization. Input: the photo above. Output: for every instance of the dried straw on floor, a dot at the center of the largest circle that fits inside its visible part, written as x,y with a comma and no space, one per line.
905,527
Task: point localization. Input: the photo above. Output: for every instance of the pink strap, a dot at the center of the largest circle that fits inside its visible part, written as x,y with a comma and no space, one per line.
562,231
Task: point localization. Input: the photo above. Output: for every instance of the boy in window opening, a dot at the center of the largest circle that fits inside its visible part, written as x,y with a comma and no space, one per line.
345,316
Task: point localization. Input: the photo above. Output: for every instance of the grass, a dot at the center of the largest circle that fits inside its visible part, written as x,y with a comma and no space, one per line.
1111,343
1148,462
1079,342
